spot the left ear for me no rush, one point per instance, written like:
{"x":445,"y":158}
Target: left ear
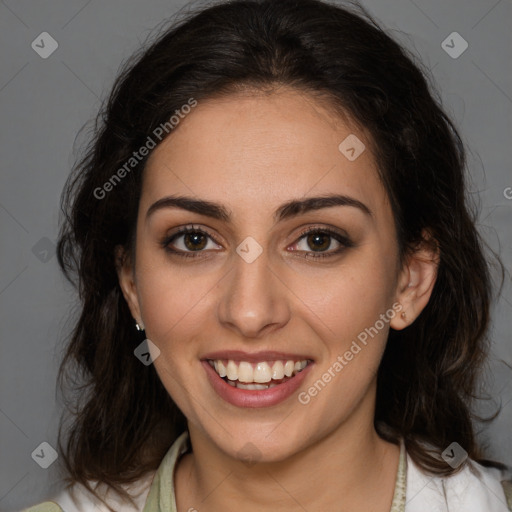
{"x":416,"y":281}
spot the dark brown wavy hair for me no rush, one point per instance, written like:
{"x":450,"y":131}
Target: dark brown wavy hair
{"x":121,"y":419}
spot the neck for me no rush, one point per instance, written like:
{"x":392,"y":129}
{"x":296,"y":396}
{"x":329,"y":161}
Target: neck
{"x":349,"y":469}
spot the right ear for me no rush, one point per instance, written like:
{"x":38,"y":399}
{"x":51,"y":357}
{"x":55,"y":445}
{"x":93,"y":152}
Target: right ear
{"x":125,"y":274}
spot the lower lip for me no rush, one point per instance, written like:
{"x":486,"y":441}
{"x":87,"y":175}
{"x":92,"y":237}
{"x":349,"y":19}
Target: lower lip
{"x":253,"y":398}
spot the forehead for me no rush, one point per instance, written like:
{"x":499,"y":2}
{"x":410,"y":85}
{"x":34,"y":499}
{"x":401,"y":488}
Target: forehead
{"x":259,"y":150}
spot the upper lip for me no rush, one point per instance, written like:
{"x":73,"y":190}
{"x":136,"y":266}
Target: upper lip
{"x":255,"y":357}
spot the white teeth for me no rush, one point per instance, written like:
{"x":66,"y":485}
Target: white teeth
{"x":277,"y":370}
{"x":245,"y":372}
{"x":220,"y":368}
{"x":232,"y":370}
{"x":260,"y":373}
{"x":239,"y":385}
{"x":288,"y":368}
{"x":300,"y":365}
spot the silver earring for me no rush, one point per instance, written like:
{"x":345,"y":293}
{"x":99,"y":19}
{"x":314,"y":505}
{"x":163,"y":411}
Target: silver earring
{"x":139,"y":327}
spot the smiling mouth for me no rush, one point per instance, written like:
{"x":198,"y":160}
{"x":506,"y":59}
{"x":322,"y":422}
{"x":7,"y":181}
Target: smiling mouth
{"x":256,"y":376}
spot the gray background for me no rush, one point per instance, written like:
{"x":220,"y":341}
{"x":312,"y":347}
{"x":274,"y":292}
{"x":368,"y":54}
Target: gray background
{"x":45,"y":102}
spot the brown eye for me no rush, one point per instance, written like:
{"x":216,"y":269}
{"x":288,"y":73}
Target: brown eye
{"x":320,"y":241}
{"x":188,"y":241}
{"x":317,"y":243}
{"x":194,"y":241}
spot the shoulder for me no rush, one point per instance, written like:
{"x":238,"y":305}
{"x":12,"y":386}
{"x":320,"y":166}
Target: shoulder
{"x":47,"y":506}
{"x":157,"y":485}
{"x":79,"y":499}
{"x":507,"y":489}
{"x":473,"y":488}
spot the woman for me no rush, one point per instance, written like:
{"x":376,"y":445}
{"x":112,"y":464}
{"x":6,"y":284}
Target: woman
{"x":285,"y":299}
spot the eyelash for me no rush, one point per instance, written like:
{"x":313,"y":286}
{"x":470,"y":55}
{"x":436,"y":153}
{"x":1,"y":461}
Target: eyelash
{"x":342,"y":239}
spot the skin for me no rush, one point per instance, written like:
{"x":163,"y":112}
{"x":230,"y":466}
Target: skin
{"x":252,"y":153}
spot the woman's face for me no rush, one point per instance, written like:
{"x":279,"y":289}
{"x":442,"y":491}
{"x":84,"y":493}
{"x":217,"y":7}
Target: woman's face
{"x":247,"y":285}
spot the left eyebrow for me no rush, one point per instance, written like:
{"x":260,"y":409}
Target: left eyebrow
{"x":287,"y":210}
{"x":301,"y":206}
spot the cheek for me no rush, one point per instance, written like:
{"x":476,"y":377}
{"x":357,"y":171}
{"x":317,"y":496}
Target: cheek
{"x":174,"y":299}
{"x":348,"y":297}
{"x":173,"y":308}
{"x":167,"y":304}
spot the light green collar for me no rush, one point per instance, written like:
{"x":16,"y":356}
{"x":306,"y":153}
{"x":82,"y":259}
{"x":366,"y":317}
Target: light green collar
{"x":162,"y":498}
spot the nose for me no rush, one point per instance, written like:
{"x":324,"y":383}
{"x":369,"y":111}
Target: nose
{"x":254,"y":301}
